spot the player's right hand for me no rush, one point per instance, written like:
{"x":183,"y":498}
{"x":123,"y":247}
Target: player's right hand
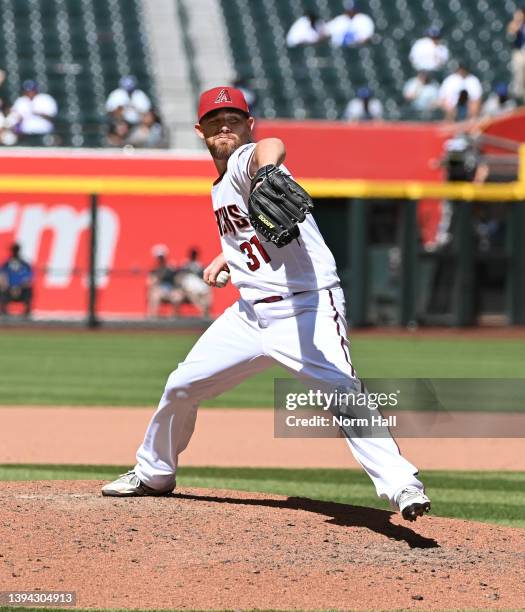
{"x":211,"y":272}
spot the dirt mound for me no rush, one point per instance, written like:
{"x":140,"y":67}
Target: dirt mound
{"x":209,"y":549}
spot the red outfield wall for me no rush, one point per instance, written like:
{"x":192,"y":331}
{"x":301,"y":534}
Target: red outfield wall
{"x":53,"y":233}
{"x":375,"y":150}
{"x":53,"y":228}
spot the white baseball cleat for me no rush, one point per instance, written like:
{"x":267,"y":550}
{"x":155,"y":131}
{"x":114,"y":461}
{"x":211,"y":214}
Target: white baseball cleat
{"x":130,"y":485}
{"x":412,"y":502}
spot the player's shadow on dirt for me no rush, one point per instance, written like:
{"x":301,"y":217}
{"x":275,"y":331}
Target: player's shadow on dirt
{"x":339,"y":514}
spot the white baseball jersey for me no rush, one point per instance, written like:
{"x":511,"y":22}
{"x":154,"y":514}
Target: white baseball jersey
{"x":258,"y":268}
{"x":427,"y":55}
{"x":305,"y":333}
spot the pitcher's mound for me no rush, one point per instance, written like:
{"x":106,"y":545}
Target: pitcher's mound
{"x":209,"y":549}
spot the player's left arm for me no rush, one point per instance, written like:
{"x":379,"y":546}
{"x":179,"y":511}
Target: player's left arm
{"x":276,"y":204}
{"x":267,"y":151}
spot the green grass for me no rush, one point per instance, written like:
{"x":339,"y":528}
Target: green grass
{"x":112,"y":369}
{"x":491,"y":497}
{"x":130,"y":369}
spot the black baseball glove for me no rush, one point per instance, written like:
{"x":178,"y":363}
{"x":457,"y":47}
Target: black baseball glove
{"x":277,"y":206}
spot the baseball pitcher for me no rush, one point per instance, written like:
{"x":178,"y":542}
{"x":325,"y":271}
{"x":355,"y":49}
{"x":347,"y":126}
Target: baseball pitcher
{"x":291,"y":309}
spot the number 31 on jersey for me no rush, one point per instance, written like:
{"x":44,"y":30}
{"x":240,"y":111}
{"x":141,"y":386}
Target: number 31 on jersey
{"x":253,"y":258}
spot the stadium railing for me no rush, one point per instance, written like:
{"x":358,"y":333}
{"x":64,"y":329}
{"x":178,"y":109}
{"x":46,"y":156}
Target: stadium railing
{"x":359,"y":192}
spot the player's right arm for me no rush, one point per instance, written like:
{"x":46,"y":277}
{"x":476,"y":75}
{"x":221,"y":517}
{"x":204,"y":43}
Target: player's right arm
{"x":211,"y":272}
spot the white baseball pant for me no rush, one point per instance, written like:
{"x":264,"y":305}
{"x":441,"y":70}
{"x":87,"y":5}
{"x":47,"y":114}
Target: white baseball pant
{"x":307,"y":334}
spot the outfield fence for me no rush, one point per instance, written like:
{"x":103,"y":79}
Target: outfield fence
{"x":359,"y":195}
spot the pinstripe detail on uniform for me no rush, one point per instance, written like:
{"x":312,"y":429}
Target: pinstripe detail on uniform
{"x":336,"y":320}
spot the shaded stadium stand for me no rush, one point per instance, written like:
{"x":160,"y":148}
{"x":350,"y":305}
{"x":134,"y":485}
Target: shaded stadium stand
{"x":317,"y":81}
{"x":77,"y":51}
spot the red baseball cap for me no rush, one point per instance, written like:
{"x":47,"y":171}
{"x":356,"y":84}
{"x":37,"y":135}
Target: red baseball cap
{"x":222,"y":97}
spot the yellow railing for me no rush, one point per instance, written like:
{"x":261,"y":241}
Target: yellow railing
{"x":317,"y":187}
{"x":321,"y":188}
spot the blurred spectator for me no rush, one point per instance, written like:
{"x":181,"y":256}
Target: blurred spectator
{"x":462,"y":106}
{"x":460,"y":95}
{"x":461,"y":158}
{"x":429,"y":53}
{"x":350,"y":29}
{"x":2,"y":92}
{"x":498,"y":103}
{"x":118,"y":128}
{"x":16,"y":281}
{"x":307,"y":30}
{"x":249,"y":95}
{"x":516,"y":28}
{"x":33,"y":112}
{"x":128,"y":102}
{"x":161,"y":283}
{"x":7,"y":136}
{"x":193,"y":265}
{"x":363,"y":107}
{"x":196,"y":291}
{"x":422,"y":93}
{"x":149,"y":133}
{"x":489,"y":227}
{"x":460,"y":161}
{"x":463,"y":161}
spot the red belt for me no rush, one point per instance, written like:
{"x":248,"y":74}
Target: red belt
{"x":275,"y":298}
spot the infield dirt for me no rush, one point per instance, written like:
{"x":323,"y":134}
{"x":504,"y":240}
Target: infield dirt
{"x":220,"y":549}
{"x":224,"y":437}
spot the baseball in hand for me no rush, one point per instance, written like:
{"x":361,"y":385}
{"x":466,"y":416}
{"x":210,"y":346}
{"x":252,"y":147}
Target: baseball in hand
{"x":222,"y":279}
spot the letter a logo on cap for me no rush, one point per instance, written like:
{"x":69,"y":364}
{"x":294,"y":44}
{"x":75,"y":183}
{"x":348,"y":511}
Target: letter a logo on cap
{"x":223,"y":96}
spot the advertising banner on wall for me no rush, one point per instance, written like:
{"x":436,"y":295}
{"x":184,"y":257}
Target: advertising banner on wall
{"x":53,"y":231}
{"x":53,"y":228}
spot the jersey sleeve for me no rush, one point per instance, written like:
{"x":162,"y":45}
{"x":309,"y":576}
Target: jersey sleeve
{"x":239,"y":164}
{"x":115,"y":99}
{"x":46,"y":105}
{"x":366,"y":27}
{"x":443,"y":90}
{"x":412,"y":56}
{"x":475,"y":89}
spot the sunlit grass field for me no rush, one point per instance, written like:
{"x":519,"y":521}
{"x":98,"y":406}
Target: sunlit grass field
{"x":130,"y":368}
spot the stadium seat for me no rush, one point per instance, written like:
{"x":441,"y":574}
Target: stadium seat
{"x":51,"y":40}
{"x":322,"y":79}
